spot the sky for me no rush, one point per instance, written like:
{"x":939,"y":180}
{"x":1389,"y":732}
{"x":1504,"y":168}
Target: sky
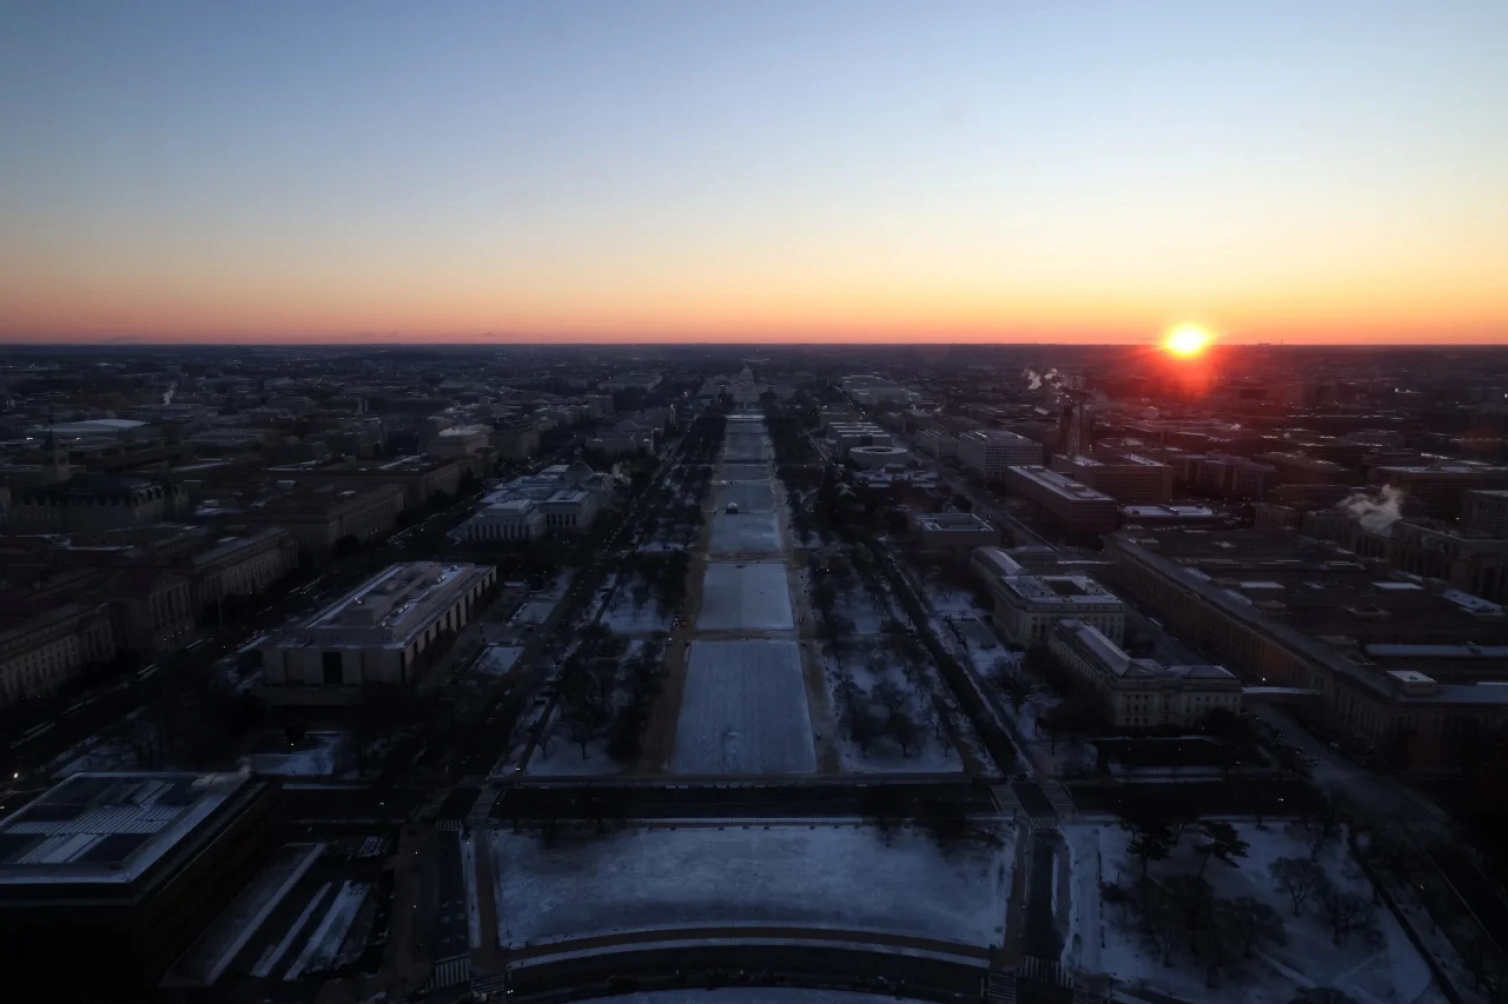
{"x":721,"y":170}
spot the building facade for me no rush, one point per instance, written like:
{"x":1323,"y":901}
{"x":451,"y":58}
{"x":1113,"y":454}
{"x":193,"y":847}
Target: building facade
{"x":391,"y":629}
{"x":1142,"y":694}
{"x":1077,"y":507}
{"x":989,"y":453}
{"x":42,"y":649}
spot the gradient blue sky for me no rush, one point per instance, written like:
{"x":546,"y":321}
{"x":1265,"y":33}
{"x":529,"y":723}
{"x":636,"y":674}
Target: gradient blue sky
{"x":763,"y":170}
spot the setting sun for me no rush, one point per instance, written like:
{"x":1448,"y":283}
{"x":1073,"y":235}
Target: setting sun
{"x":1187,"y":340}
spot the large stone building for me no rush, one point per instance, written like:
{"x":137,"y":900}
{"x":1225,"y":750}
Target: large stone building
{"x":87,"y":503}
{"x":127,"y":868}
{"x":1294,"y":612}
{"x":1138,"y":694}
{"x":1131,"y":479}
{"x":953,"y":531}
{"x":1442,"y":487}
{"x":390,"y":629}
{"x":1486,"y":513}
{"x":320,"y":517}
{"x":1078,"y":508}
{"x":989,"y":453}
{"x":43,"y":646}
{"x":1027,"y":606}
{"x":567,"y":498}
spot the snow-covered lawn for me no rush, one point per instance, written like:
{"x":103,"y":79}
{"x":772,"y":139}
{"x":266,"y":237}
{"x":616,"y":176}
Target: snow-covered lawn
{"x":745,"y":596}
{"x":747,"y":447}
{"x":745,"y":472}
{"x":745,"y":533}
{"x":318,"y":756}
{"x":1391,"y":971}
{"x":744,"y":711}
{"x":623,"y":617}
{"x":840,"y":877}
{"x":496,"y":660}
{"x":562,"y":758}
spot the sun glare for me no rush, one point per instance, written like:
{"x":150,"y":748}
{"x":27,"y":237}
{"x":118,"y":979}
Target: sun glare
{"x":1187,"y":340}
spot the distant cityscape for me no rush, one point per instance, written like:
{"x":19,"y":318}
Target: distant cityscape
{"x":455,"y":673}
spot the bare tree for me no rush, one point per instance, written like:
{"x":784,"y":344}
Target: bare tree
{"x":905,"y":731}
{"x":1161,"y":919}
{"x":1348,"y":914}
{"x":1300,"y":878}
{"x":1315,"y":833}
{"x":1254,"y":923}
{"x":1011,"y":679}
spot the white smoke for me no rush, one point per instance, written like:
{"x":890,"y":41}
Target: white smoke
{"x":1033,"y":379}
{"x":1374,"y":510}
{"x":167,"y":395}
{"x":1052,"y":377}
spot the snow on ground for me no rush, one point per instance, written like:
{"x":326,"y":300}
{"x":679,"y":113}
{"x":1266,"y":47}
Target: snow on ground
{"x":744,"y":711}
{"x":837,"y":877}
{"x":747,"y":447}
{"x":867,"y":614}
{"x":746,"y":596}
{"x":1393,"y":972}
{"x":624,"y":618}
{"x":496,"y":660}
{"x":935,"y":754}
{"x":745,"y":472}
{"x":564,"y":758}
{"x":745,"y":533}
{"x":755,"y":495}
{"x":318,"y":757}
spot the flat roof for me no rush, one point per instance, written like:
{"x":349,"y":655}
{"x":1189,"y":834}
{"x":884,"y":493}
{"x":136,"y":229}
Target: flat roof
{"x":107,"y":827}
{"x":1060,"y":484}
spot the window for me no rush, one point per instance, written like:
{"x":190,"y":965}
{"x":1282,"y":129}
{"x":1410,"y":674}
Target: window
{"x":330,"y":665}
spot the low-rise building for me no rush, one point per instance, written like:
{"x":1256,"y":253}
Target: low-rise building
{"x":458,"y":441}
{"x":869,"y":457}
{"x":1077,"y":507}
{"x":133,"y":865}
{"x":568,"y":498}
{"x":953,"y":531}
{"x":390,"y":629}
{"x":844,"y":436}
{"x":512,"y":520}
{"x":1294,"y":612}
{"x":1137,"y":694}
{"x":1131,"y":479}
{"x":991,"y":452}
{"x":938,"y":443}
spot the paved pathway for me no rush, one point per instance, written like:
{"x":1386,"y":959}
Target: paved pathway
{"x":742,"y":933}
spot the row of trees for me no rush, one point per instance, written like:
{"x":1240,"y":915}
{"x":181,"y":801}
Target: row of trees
{"x":1180,"y":914}
{"x":604,"y":696}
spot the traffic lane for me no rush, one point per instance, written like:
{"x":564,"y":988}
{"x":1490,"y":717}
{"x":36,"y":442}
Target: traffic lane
{"x":756,"y":965}
{"x":1241,"y":795}
{"x":449,"y":931}
{"x":352,"y":804}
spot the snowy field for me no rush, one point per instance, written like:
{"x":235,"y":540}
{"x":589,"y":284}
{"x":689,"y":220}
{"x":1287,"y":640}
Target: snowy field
{"x":744,"y":711}
{"x":749,"y":496}
{"x":1387,"y":971}
{"x":745,"y":533}
{"x":839,"y":877}
{"x":318,"y":757}
{"x":496,"y":660}
{"x":747,"y":447}
{"x":622,"y":617}
{"x":562,"y":758}
{"x":746,"y":596}
{"x":745,"y":472}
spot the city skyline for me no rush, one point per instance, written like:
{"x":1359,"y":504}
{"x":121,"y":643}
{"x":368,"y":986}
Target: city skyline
{"x":772,"y":172}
